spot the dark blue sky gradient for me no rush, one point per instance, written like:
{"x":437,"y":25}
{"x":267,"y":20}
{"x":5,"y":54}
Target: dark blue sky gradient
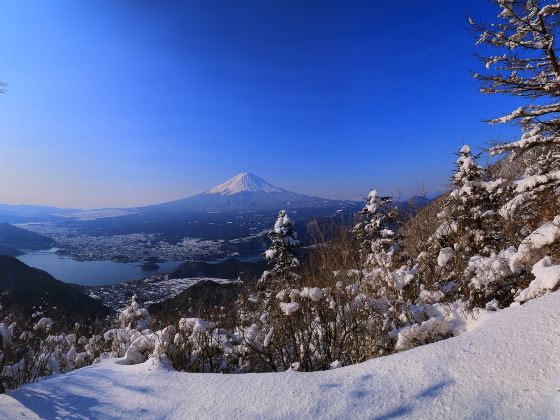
{"x":118,"y":103}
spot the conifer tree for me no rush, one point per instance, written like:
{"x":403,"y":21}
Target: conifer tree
{"x":467,"y":203}
{"x":282,"y":255}
{"x":375,"y":233}
{"x":467,"y":227}
{"x":386,"y":268}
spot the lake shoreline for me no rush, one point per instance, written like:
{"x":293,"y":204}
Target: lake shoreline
{"x":97,"y":273}
{"x":91,"y":272}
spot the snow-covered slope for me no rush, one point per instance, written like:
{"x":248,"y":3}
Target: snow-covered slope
{"x":509,"y":367}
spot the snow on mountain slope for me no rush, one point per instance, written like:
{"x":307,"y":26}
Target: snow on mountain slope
{"x":244,"y":182}
{"x":509,"y":367}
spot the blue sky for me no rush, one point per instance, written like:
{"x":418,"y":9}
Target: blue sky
{"x":122,"y":103}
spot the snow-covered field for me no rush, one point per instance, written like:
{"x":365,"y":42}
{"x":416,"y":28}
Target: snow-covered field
{"x":508,"y":367}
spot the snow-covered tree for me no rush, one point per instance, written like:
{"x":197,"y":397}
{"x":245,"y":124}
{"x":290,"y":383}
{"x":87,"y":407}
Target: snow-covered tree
{"x":375,"y":233}
{"x":467,"y":227}
{"x":525,"y":65}
{"x":469,"y":206}
{"x":387,"y":271}
{"x":35,"y":346}
{"x":261,"y":310}
{"x":282,"y":254}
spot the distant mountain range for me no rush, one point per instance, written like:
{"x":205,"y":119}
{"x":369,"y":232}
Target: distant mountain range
{"x":10,"y":213}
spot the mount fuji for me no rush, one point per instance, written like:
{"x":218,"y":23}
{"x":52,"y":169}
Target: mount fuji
{"x":244,"y":182}
{"x":245,"y":191}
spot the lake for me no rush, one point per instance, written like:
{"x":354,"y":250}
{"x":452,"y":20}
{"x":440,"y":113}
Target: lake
{"x":89,"y":273}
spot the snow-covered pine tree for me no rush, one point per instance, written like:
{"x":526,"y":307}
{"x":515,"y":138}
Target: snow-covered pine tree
{"x":467,"y":227}
{"x":262,"y":310}
{"x":385,"y":267}
{"x":376,"y":231}
{"x":282,"y":254}
{"x":470,"y":206}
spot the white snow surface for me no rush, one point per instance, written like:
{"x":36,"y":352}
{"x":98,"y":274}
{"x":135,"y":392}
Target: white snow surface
{"x":529,"y":251}
{"x":508,"y":367}
{"x":289,"y":308}
{"x":444,"y":256}
{"x":547,"y":277}
{"x":244,"y":182}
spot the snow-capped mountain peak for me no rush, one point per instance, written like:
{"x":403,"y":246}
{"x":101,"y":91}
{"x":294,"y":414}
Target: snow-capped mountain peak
{"x":244,"y":182}
{"x":246,"y":192}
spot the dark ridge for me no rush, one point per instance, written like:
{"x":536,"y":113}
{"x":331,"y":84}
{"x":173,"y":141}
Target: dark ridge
{"x":9,"y":251}
{"x":19,"y":238}
{"x":25,"y":287}
{"x":227,"y":269}
{"x":198,"y":300}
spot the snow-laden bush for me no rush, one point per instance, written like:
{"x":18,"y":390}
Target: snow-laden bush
{"x":200,"y":346}
{"x":135,"y":316}
{"x":435,"y":322}
{"x":131,"y":337}
{"x":32,"y":349}
{"x":547,"y":278}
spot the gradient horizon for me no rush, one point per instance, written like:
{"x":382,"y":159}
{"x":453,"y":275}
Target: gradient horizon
{"x":124,"y":103}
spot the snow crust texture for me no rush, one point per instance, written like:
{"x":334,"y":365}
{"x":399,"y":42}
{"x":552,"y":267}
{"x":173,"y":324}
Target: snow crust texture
{"x":508,"y":367}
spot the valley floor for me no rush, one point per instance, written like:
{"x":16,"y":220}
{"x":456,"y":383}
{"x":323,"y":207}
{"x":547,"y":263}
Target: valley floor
{"x":508,"y":367}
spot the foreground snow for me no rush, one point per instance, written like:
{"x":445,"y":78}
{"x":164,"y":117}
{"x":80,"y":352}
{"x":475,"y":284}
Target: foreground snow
{"x":509,"y":367}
